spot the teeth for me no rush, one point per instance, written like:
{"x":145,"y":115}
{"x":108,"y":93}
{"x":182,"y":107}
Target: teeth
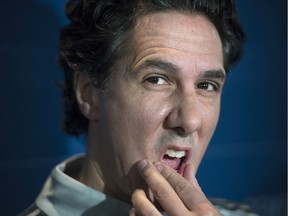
{"x":173,"y":153}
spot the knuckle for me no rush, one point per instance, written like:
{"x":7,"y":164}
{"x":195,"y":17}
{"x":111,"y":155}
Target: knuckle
{"x":135,"y":196}
{"x":161,"y":194}
{"x":147,"y":212}
{"x":205,"y":209}
{"x":141,"y":208}
{"x":148,"y":172}
{"x":171,"y":176}
{"x":182,"y":188}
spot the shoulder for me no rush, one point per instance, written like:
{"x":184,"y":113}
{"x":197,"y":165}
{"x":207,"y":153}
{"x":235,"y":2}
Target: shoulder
{"x":33,"y":210}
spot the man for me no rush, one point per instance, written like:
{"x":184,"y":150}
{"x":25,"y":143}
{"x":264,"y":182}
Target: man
{"x":143,"y":81}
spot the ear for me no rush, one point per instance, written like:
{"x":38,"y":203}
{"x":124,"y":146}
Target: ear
{"x":87,"y":97}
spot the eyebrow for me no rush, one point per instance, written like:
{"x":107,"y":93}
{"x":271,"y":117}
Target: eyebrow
{"x":219,"y":74}
{"x":172,"y":68}
{"x":159,"y":64}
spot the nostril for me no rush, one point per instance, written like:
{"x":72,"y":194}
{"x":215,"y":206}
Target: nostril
{"x":181,"y":131}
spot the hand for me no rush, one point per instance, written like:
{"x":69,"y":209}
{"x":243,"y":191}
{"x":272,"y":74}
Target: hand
{"x":178,"y":196}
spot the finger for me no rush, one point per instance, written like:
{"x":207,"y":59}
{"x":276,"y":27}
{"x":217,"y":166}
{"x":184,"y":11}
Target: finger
{"x":203,"y":208}
{"x":132,"y":212}
{"x":161,"y":189}
{"x":188,"y":191}
{"x":189,"y":174}
{"x":142,"y":205}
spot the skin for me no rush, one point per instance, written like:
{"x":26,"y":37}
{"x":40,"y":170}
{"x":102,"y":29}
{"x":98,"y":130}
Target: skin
{"x":176,"y":195}
{"x":165,"y":93}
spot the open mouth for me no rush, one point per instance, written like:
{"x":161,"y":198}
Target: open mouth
{"x":175,"y":159}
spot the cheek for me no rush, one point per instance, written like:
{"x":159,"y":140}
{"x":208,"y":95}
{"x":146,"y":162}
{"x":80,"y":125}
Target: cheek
{"x":206,"y":132}
{"x":211,"y":121}
{"x":134,"y":124}
{"x":210,"y":117}
{"x":145,"y":125}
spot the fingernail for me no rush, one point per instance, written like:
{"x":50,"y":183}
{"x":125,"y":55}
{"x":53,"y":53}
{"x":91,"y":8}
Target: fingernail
{"x":143,"y":164}
{"x":159,"y":166}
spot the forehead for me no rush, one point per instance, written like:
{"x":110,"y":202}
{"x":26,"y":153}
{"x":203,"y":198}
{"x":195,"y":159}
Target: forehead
{"x":172,"y":23}
{"x":186,"y":33}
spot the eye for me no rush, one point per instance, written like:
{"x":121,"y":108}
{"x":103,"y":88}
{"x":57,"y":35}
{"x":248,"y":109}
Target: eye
{"x":156,"y":80}
{"x":207,"y":86}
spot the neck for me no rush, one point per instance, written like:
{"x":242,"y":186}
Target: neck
{"x":94,"y":172}
{"x":91,"y":175}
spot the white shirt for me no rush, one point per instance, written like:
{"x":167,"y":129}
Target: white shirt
{"x":63,"y":195}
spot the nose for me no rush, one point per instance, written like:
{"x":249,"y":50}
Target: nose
{"x":185,"y":116}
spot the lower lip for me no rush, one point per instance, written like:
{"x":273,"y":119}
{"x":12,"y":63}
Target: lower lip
{"x":181,"y":168}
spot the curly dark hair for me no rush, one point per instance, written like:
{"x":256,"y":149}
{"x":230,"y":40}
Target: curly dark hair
{"x":98,"y":32}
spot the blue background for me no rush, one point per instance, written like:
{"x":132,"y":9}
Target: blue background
{"x":246,"y":160}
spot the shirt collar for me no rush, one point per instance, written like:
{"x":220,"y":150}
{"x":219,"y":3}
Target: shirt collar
{"x":63,"y":195}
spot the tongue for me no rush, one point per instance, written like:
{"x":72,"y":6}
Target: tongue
{"x":171,"y":162}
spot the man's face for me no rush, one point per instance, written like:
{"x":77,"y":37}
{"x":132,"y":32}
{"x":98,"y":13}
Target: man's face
{"x":163,"y":102}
